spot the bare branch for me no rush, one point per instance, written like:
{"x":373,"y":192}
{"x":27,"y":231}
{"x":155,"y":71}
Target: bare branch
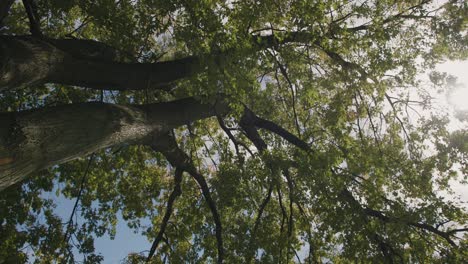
{"x":291,"y":209}
{"x":283,"y":213}
{"x":395,"y":113}
{"x":291,"y":88}
{"x":453,"y":231}
{"x":211,"y":204}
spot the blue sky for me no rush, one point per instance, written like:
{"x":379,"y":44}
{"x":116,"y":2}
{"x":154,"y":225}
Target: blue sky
{"x":125,"y":241}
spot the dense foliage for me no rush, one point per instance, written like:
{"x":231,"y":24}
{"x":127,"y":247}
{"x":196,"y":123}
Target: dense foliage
{"x":331,"y":150}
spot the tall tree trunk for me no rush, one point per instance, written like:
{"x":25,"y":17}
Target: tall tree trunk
{"x":25,"y":60}
{"x":37,"y":139}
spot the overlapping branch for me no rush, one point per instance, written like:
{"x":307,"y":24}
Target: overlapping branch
{"x":169,"y":209}
{"x":250,"y":122}
{"x":261,"y":209}
{"x":389,"y":219}
{"x":167,"y":145}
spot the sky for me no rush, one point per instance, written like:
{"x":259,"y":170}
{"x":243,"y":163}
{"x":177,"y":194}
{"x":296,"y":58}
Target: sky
{"x":114,"y":251}
{"x":458,"y":100}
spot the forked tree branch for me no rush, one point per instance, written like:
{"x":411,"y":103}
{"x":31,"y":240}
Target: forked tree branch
{"x":250,"y":120}
{"x":169,"y":209}
{"x":167,"y":145}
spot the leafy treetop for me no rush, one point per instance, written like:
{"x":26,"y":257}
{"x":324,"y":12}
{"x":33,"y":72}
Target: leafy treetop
{"x":321,"y":157}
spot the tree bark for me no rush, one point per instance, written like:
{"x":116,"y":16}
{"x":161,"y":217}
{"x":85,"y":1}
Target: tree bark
{"x":25,"y":60}
{"x":37,"y":139}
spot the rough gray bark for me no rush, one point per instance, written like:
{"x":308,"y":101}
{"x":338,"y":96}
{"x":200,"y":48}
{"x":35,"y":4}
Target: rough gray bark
{"x":25,"y":60}
{"x":37,"y":139}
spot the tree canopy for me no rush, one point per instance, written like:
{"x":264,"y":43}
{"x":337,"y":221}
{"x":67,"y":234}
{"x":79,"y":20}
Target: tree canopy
{"x":272,"y":131}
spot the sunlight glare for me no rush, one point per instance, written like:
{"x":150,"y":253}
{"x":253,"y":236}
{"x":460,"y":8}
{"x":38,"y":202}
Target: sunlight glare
{"x":458,"y":98}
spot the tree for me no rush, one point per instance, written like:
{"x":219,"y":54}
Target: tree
{"x":293,"y":118}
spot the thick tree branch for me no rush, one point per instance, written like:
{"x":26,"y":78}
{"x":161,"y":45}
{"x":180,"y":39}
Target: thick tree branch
{"x":37,"y":139}
{"x":247,"y":123}
{"x":249,"y":119}
{"x":169,"y":209}
{"x":57,"y":61}
{"x":34,"y":19}
{"x":86,"y":49}
{"x":27,"y":60}
{"x":273,"y":127}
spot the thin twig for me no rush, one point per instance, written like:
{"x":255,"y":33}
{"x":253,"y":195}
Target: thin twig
{"x":82,"y":184}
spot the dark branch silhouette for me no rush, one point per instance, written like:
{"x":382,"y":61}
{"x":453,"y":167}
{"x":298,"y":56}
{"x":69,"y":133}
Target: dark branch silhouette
{"x":249,"y":120}
{"x":262,"y":207}
{"x":68,"y":231}
{"x":387,"y":219}
{"x":169,"y":209}
{"x":167,"y":145}
{"x":34,"y":19}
